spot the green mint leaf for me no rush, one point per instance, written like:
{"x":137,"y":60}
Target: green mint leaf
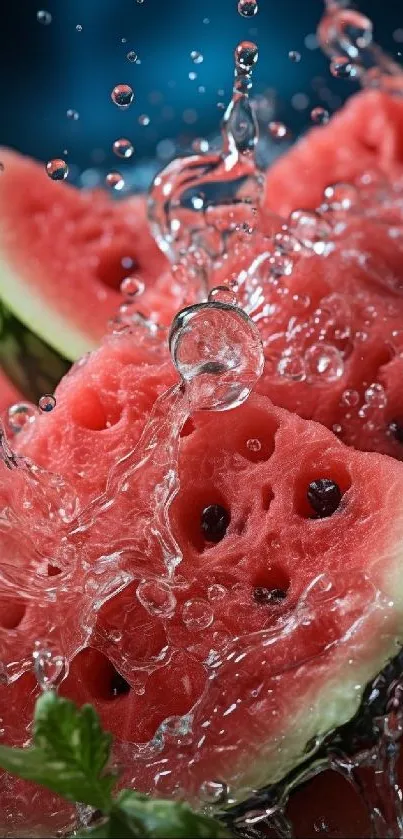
{"x":159,"y":819}
{"x":69,"y":753}
{"x":115,"y":826}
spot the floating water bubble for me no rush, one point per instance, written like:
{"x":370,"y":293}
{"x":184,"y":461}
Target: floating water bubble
{"x":19,"y":414}
{"x":49,"y":668}
{"x":375,"y":396}
{"x":222,"y":294}
{"x":57,"y":169}
{"x":79,"y":28}
{"x":196,"y":57}
{"x":292,"y":367}
{"x":278,"y":131}
{"x":324,"y":363}
{"x":345,"y":30}
{"x":342,"y":68}
{"x":246,"y":55}
{"x":320,"y":116}
{"x":47,"y":402}
{"x":132,"y":286}
{"x":294,"y":56}
{"x":115,"y":180}
{"x":44,"y":17}
{"x":350,"y":398}
{"x":341,"y":196}
{"x":200,"y":145}
{"x":123,"y":148}
{"x":218,"y":352}
{"x":213,"y":792}
{"x":248,"y":8}
{"x":72,"y":114}
{"x":157,"y":597}
{"x":192,"y":75}
{"x":144,"y":119}
{"x":197,"y":614}
{"x":122,"y":95}
{"x":131,"y":56}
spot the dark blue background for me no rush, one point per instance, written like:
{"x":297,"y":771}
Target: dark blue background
{"x":45,"y":70}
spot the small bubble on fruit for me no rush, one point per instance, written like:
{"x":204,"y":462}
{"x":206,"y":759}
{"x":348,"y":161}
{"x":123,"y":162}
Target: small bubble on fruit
{"x":350,"y":398}
{"x":57,"y":169}
{"x":341,"y":196}
{"x":253,"y":444}
{"x":47,"y":402}
{"x":214,"y":522}
{"x":375,"y":395}
{"x":320,"y":116}
{"x":324,"y":496}
{"x":131,"y":56}
{"x":123,"y":148}
{"x":72,"y":114}
{"x":157,"y":597}
{"x":19,"y":414}
{"x":324,"y":363}
{"x":265,"y":596}
{"x":310,"y":228}
{"x":115,"y":181}
{"x":216,"y":592}
{"x":278,"y":131}
{"x":213,"y":792}
{"x":132,"y":286}
{"x":122,"y":95}
{"x":246,"y":55}
{"x":222,"y":294}
{"x":294,"y":56}
{"x":248,"y":8}
{"x":44,"y":17}
{"x":197,"y":614}
{"x":292,"y":367}
{"x":49,"y":669}
{"x":343,"y":68}
{"x":218,"y":352}
{"x":196,"y":57}
{"x":144,"y":119}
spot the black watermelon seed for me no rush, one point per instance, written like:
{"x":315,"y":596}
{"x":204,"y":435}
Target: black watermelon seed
{"x":396,"y":429}
{"x":214,"y":522}
{"x":263,"y":595}
{"x":324,"y":496}
{"x":119,"y":686}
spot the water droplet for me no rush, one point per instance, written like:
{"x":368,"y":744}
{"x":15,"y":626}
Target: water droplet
{"x":253,"y":444}
{"x":223,"y":294}
{"x":248,"y":8}
{"x":57,"y":169}
{"x":278,"y":131}
{"x":44,"y":17}
{"x":71,"y":114}
{"x":350,"y":398}
{"x":131,"y":56}
{"x":192,"y":75}
{"x":294,"y":56}
{"x":213,"y":792}
{"x":324,"y":363}
{"x":49,"y":669}
{"x":246,"y":55}
{"x":177,"y":729}
{"x":157,"y":597}
{"x":196,"y":57}
{"x":197,"y":614}
{"x":122,"y":95}
{"x":341,"y":196}
{"x":47,"y":402}
{"x":343,"y":68}
{"x":320,"y":116}
{"x":79,"y":28}
{"x":200,"y":145}
{"x":310,"y":228}
{"x":132,"y":286}
{"x":19,"y":414}
{"x":115,"y":180}
{"x":217,"y":350}
{"x":375,"y":396}
{"x":292,"y":367}
{"x":123,"y":148}
{"x":144,"y":119}
{"x":216,"y":592}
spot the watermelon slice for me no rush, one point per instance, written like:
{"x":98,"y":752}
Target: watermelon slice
{"x":285,"y":603}
{"x":64,"y":254}
{"x":366,"y":136}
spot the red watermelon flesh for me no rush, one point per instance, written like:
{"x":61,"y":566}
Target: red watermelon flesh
{"x":366,"y":136}
{"x":261,"y":678}
{"x":65,"y":252}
